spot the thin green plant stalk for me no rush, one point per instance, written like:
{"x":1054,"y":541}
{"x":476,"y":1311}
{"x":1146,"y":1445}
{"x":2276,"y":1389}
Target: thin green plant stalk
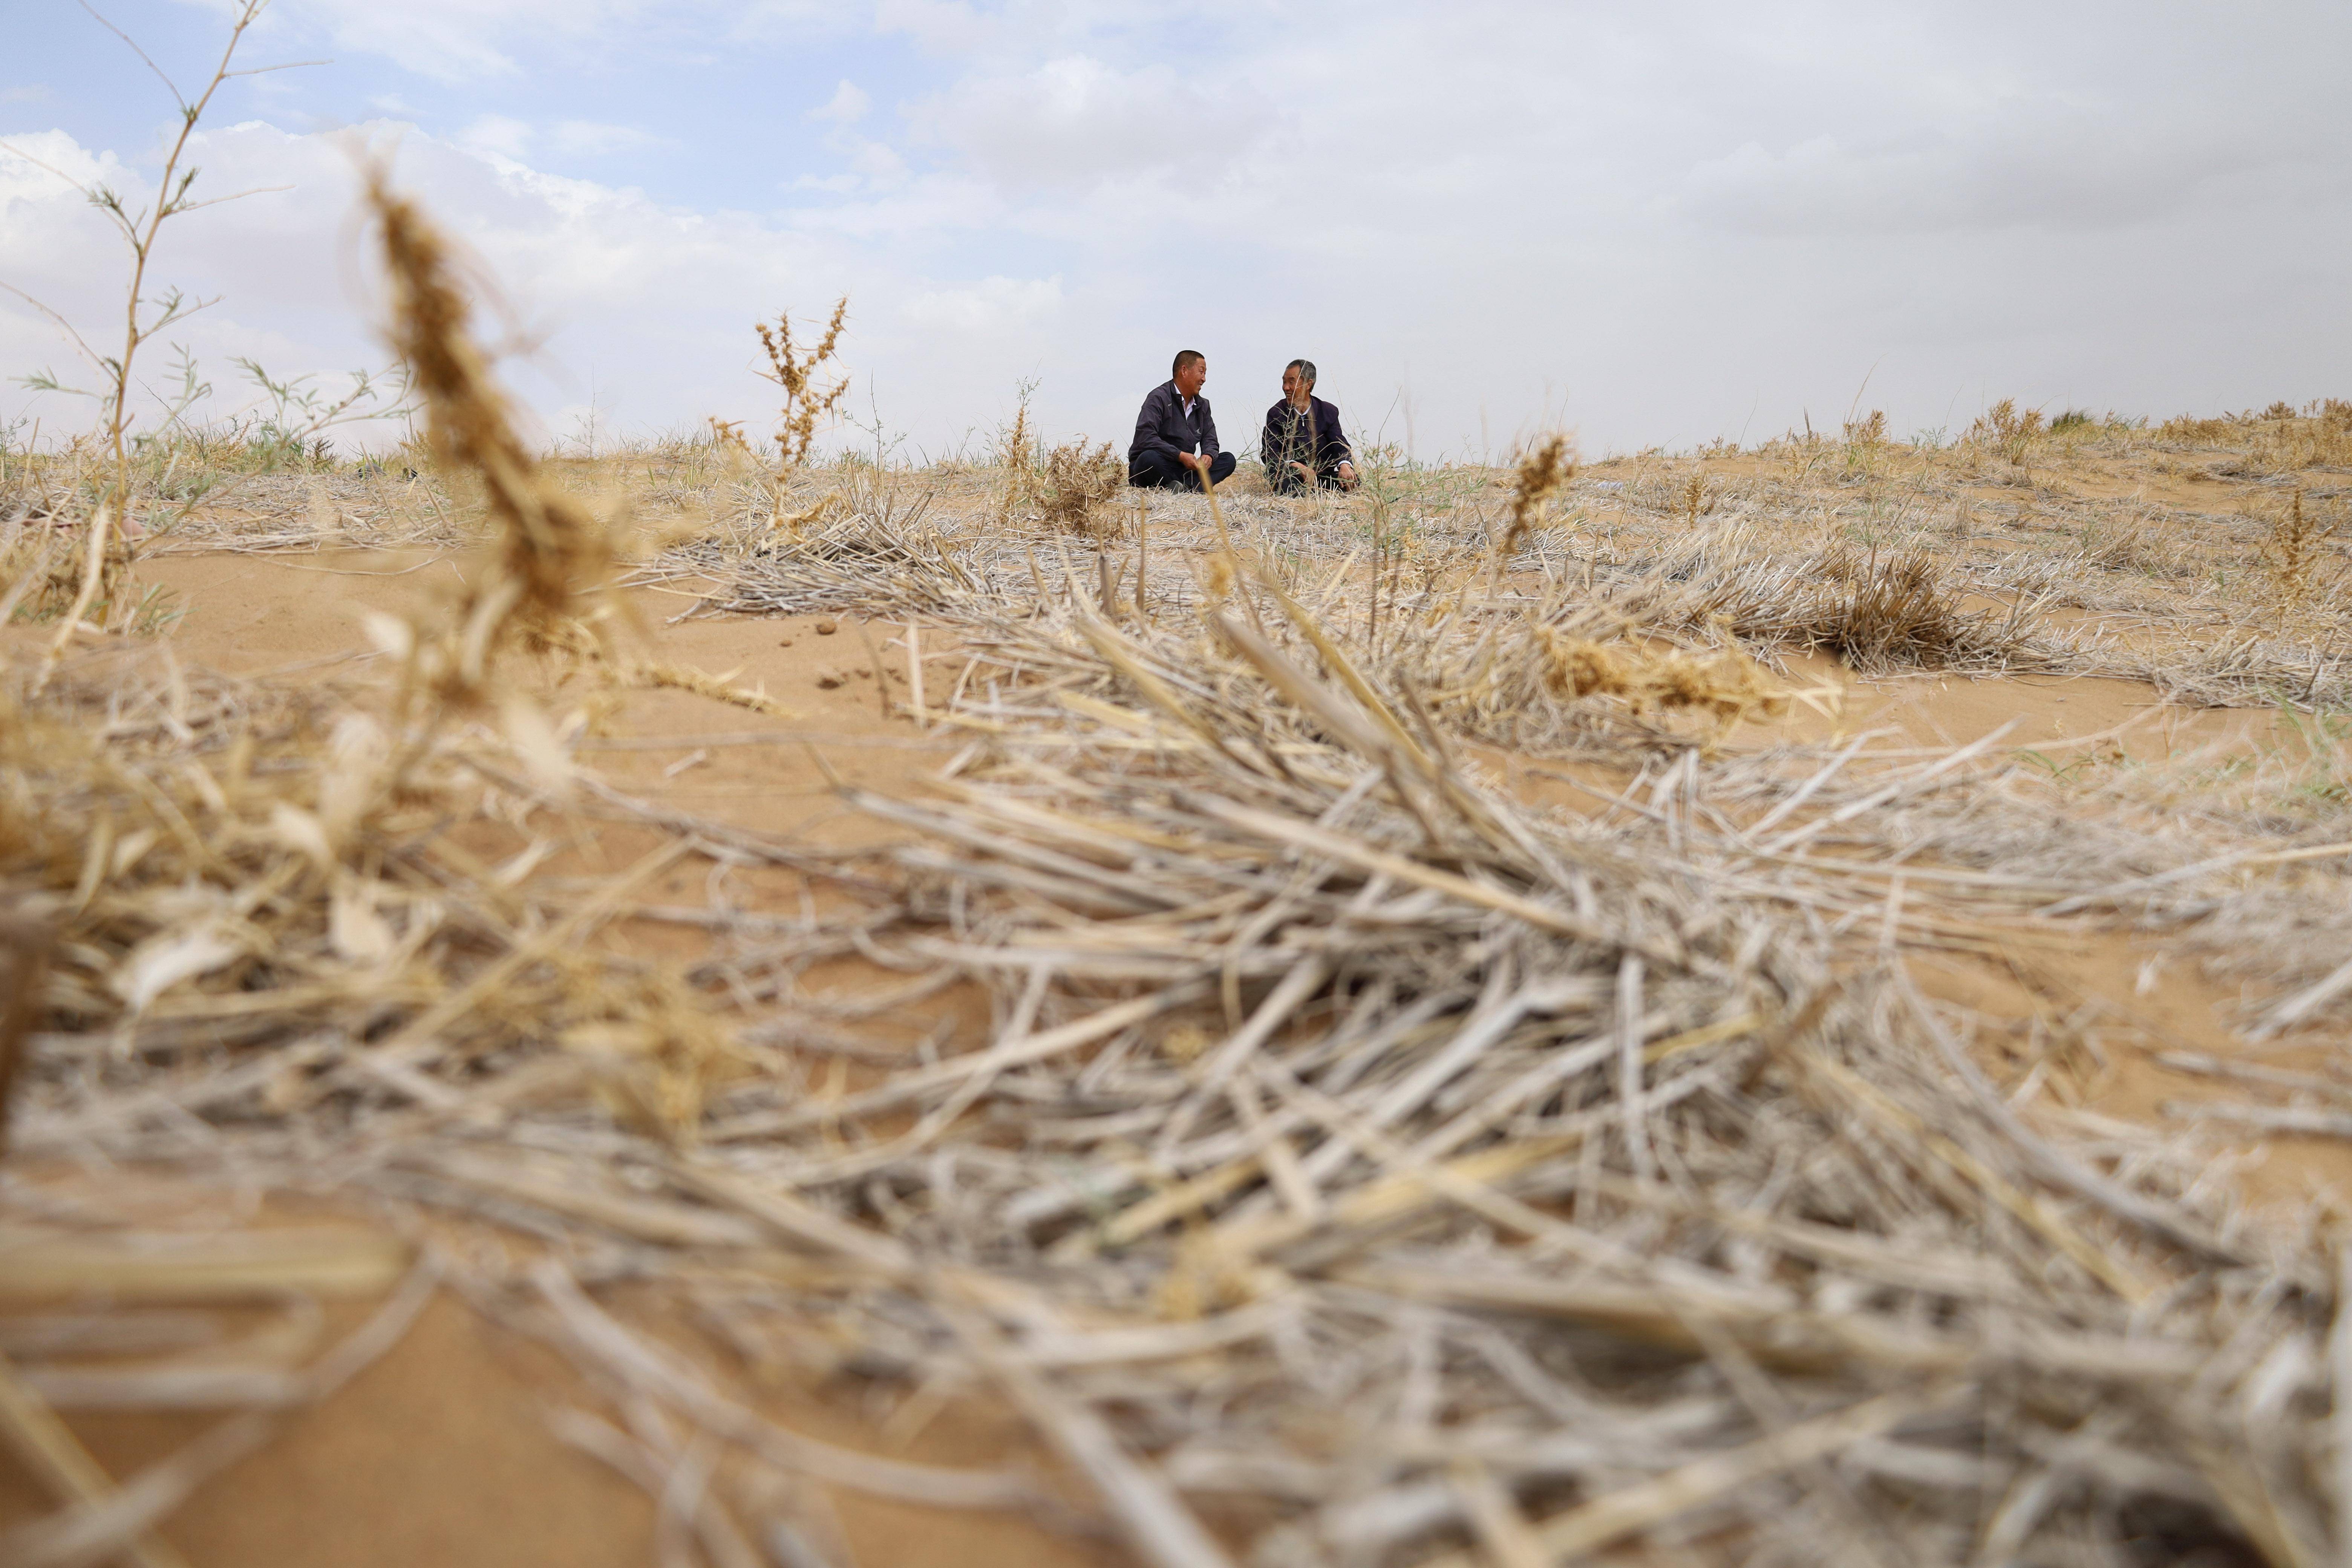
{"x":169,"y":202}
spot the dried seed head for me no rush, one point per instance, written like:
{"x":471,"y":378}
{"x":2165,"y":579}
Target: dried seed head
{"x":1541,"y":472}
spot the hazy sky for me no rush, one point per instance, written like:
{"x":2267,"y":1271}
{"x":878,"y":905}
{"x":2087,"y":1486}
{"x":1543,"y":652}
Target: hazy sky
{"x":1646,"y":223}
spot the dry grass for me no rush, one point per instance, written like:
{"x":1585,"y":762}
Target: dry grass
{"x":1358,"y":1165}
{"x":809,"y":405}
{"x":2292,"y":551}
{"x":1075,"y":482}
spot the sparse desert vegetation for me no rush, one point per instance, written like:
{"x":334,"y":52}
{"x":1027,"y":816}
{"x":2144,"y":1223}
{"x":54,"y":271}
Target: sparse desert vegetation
{"x":1669,"y":1007}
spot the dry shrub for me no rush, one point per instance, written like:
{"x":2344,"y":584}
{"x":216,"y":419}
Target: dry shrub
{"x":2188,"y":430}
{"x":2293,"y":444}
{"x":2278,"y":440}
{"x":1876,"y":611}
{"x":1017,"y":454}
{"x":1074,"y":480}
{"x":2006,"y":429}
{"x":806,"y":404}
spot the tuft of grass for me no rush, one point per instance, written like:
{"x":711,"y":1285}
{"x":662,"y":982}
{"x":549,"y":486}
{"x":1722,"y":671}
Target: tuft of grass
{"x":1017,"y":454}
{"x":2008,"y":430}
{"x":2292,"y":553}
{"x":1075,"y":480}
{"x":1725,"y":685}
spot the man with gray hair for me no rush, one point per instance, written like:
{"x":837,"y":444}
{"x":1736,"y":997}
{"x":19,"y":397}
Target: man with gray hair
{"x":1303,"y":446}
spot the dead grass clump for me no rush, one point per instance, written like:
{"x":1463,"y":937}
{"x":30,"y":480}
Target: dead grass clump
{"x":1075,"y":480}
{"x":2006,"y":429}
{"x":2137,"y":545}
{"x":2191,"y":430}
{"x":2292,"y":553}
{"x":1725,"y":685}
{"x":1879,"y":613}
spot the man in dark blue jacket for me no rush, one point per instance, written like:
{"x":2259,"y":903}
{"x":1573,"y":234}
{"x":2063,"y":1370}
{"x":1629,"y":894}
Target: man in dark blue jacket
{"x":1175,"y":436}
{"x":1303,"y":446}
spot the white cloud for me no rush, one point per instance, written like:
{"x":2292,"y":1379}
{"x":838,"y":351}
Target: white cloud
{"x":472,"y":40}
{"x":946,"y":26}
{"x":499,"y":135}
{"x":1077,"y":120}
{"x":595,"y":139}
{"x":993,"y":307}
{"x":848,"y":105}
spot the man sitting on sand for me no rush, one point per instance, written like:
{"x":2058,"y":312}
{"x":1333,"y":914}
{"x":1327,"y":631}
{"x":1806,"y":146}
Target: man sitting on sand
{"x":1175,"y":437}
{"x":1303,"y":446}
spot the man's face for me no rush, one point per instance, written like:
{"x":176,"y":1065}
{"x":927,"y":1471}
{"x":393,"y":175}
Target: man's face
{"x":1294,"y":385}
{"x":1192,"y":378}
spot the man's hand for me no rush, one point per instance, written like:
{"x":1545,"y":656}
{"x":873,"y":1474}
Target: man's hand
{"x":1191,"y":459}
{"x":1347,"y":473}
{"x":1300,"y":470}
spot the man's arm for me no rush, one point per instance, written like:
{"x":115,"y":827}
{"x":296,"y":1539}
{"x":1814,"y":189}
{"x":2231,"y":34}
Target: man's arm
{"x":1151,"y":426}
{"x":1335,"y":440}
{"x":1270,"y":442}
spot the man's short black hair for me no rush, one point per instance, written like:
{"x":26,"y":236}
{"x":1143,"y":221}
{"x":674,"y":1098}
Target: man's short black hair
{"x":1184,"y":358}
{"x":1305,"y":369}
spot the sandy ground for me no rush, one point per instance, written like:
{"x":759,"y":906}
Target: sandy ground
{"x":442,"y":1453}
{"x":255,"y":613}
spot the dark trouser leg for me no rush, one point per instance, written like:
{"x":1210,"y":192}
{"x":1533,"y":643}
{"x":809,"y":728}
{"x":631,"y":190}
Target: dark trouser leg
{"x":1157,"y":471}
{"x":1162,"y":472}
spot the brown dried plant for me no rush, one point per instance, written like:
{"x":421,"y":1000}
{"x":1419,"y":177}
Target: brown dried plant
{"x":2291,"y":552}
{"x":807,"y":406}
{"x":552,"y":553}
{"x":1695,"y":503}
{"x":727,"y":435}
{"x":1541,"y":472}
{"x":1896,"y":611}
{"x":2006,"y":429}
{"x":1865,"y":439}
{"x":1727,"y":685}
{"x":1075,"y":480}
{"x":1017,"y":454}
{"x":107,"y":554}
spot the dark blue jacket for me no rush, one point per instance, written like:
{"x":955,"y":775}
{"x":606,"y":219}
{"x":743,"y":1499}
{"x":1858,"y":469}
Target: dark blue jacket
{"x":1286,"y":439}
{"x":1162,"y":428}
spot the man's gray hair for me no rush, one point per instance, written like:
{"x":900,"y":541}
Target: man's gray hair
{"x":1305,"y":369}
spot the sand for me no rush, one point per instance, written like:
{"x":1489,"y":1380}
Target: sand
{"x":443,"y":1452}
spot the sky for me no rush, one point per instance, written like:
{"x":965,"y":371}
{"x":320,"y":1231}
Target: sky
{"x":1647,"y":224}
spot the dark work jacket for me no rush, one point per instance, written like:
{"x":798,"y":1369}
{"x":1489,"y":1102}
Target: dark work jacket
{"x":1287,"y":441}
{"x":1162,"y":428}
